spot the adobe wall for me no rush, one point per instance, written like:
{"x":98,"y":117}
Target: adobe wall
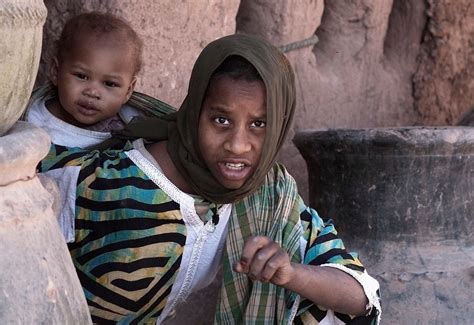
{"x":444,"y":81}
{"x":377,"y":63}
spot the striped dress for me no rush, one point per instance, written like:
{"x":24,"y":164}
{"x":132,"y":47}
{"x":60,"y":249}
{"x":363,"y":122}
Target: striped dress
{"x":139,"y":247}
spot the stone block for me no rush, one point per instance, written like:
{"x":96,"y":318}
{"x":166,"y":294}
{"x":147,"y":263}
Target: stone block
{"x":38,"y":282}
{"x":21,"y":27}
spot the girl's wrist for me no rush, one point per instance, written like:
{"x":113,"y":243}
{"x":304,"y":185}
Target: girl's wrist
{"x":297,"y":278}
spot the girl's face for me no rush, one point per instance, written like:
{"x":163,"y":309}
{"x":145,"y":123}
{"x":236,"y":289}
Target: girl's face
{"x":232,"y":127}
{"x":94,"y":80}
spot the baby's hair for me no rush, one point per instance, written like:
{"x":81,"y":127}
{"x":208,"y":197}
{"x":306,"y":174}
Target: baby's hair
{"x":99,"y":24}
{"x":237,"y":68}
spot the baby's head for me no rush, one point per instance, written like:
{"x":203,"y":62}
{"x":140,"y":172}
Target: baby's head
{"x":98,"y":57}
{"x":98,"y":27}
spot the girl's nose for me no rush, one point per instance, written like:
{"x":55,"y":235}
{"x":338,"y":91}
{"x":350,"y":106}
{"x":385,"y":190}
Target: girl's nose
{"x":238,"y":142}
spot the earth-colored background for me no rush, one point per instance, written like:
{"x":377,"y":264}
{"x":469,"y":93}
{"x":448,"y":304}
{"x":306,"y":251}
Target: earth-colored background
{"x":377,"y":63}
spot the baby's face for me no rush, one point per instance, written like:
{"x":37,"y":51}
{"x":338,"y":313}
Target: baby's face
{"x":94,"y":79}
{"x":232,"y":127}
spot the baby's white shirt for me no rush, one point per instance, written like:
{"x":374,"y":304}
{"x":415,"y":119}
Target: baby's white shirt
{"x":66,"y":134}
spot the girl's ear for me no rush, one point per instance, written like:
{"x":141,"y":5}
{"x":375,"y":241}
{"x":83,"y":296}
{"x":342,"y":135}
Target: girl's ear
{"x":53,"y":71}
{"x":130,"y":89}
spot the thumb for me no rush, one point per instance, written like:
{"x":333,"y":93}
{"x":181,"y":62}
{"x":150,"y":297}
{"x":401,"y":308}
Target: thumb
{"x":239,"y":267}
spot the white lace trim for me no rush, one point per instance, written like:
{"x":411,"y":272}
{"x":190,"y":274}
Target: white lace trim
{"x":368,"y":283}
{"x":190,"y":217}
{"x":184,"y":200}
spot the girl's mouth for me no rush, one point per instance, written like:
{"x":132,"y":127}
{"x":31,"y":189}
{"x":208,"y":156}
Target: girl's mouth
{"x":234,"y":171}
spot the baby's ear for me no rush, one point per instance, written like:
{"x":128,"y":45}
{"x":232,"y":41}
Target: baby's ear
{"x":53,"y":71}
{"x":130,"y":89}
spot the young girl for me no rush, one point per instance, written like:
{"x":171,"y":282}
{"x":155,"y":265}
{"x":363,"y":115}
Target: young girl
{"x":201,"y":188}
{"x":93,"y":75}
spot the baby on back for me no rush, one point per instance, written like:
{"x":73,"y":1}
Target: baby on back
{"x":92,"y":77}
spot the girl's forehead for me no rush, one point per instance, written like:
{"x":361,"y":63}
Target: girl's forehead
{"x":236,"y":97}
{"x":223,"y":84}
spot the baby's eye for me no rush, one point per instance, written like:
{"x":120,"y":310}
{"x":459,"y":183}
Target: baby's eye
{"x":259,"y":124}
{"x":221,"y":120}
{"x":81,"y":76}
{"x":111,"y":84}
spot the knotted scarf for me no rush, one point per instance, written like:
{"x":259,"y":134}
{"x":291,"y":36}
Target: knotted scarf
{"x":181,"y":128}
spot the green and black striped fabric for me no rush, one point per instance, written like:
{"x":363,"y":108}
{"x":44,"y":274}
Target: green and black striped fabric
{"x":129,"y":236}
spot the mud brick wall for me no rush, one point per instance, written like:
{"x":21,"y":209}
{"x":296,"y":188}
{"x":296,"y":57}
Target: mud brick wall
{"x":377,"y":63}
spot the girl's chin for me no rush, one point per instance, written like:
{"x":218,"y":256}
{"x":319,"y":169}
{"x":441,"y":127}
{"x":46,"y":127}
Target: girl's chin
{"x":232,"y":185}
{"x":233,"y":179}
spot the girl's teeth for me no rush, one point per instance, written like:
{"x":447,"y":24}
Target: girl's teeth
{"x":234,"y":166}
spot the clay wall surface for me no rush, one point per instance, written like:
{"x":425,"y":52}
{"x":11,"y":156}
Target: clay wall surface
{"x":377,"y":63}
{"x":444,"y":81}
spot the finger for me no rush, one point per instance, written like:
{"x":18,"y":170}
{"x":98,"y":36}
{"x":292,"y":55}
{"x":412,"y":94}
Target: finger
{"x":273,"y":265}
{"x":239,"y":267}
{"x":251,"y":246}
{"x":261,"y":258}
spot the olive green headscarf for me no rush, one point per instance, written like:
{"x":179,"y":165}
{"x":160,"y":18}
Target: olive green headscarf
{"x":181,"y":128}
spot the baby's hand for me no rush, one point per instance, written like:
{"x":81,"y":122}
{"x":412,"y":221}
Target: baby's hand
{"x":264,"y":260}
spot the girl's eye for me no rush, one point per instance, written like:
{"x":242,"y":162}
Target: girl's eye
{"x":111,"y":84}
{"x":258,"y":124}
{"x":80,"y":76}
{"x":221,"y":120}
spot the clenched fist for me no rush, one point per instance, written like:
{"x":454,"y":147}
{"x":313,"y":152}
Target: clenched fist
{"x":264,"y":260}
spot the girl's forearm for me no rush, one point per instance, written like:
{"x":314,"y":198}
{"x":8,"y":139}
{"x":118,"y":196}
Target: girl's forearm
{"x":329,"y":287}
